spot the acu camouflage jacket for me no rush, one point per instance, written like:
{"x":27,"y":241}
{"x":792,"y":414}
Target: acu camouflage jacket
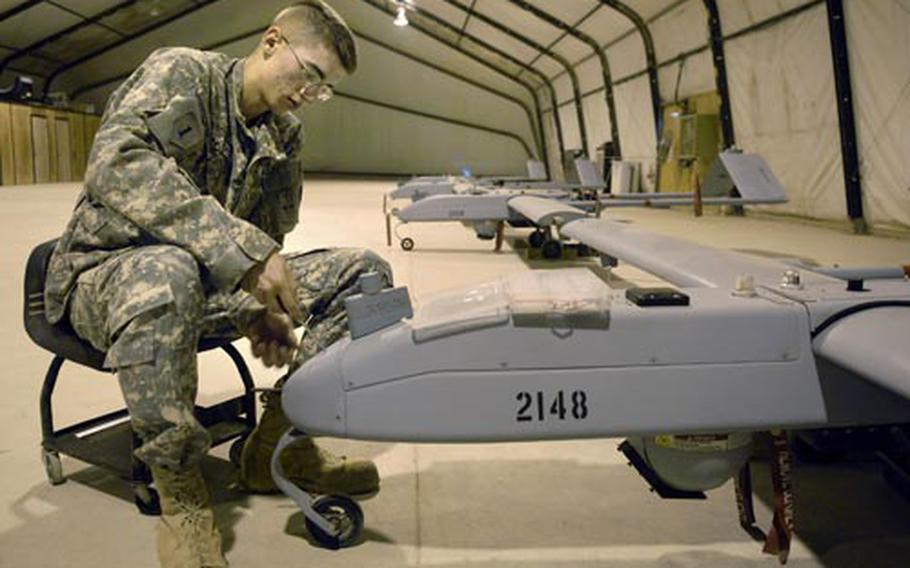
{"x":174,"y":163}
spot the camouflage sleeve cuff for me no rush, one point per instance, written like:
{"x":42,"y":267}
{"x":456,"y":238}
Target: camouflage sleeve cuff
{"x":243,"y":310}
{"x":257,"y":244}
{"x":252,"y":247}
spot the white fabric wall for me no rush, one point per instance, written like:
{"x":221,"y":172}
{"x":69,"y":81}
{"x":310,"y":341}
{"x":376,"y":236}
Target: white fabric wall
{"x":598,"y":118}
{"x":344,"y":135}
{"x":634,"y":112}
{"x":567,"y":113}
{"x":553,"y":158}
{"x":783,"y":101}
{"x":736,"y":15}
{"x":636,"y":127}
{"x":697,"y":77}
{"x":878,"y":34}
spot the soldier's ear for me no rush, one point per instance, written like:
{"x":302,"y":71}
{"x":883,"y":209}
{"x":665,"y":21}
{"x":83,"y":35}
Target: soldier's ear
{"x":271,"y":40}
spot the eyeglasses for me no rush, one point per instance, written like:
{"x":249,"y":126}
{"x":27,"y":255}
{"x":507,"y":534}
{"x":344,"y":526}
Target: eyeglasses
{"x":316,"y":87}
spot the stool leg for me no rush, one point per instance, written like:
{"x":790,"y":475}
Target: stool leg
{"x":249,"y":397}
{"x":45,"y":407}
{"x":49,"y":455}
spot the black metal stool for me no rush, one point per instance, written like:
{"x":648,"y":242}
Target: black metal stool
{"x":108,"y":441}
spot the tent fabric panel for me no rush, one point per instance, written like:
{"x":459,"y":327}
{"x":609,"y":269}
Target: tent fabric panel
{"x":563,"y":87}
{"x":445,"y":11}
{"x":78,"y":43}
{"x":193,"y":30}
{"x":569,"y":12}
{"x":503,"y":41}
{"x":590,"y":75}
{"x":598,"y":121}
{"x":606,"y":25}
{"x":636,"y":127}
{"x":517,"y":19}
{"x":627,"y":57}
{"x":34,"y":24}
{"x":395,"y":142}
{"x":683,"y":29}
{"x":784,"y":107}
{"x":88,"y":8}
{"x":571,"y":48}
{"x":650,"y":8}
{"x":420,"y":87}
{"x":549,"y":67}
{"x":878,"y":32}
{"x":697,"y":77}
{"x":570,"y":134}
{"x":478,"y":50}
{"x":553,"y":158}
{"x":139,"y":16}
{"x":736,"y":15}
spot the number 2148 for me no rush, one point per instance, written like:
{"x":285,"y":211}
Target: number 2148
{"x":562,"y":406}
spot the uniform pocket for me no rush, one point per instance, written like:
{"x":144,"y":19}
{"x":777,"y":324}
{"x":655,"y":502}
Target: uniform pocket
{"x":135,"y":345}
{"x":138,"y":303}
{"x":99,"y":227}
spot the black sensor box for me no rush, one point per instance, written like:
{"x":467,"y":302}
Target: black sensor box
{"x":647,"y":297}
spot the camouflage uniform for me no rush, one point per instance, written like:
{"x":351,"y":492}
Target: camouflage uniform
{"x":181,"y":199}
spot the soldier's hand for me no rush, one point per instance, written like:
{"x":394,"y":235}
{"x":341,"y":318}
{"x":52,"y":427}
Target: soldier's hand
{"x":273,"y":339}
{"x":273,"y":284}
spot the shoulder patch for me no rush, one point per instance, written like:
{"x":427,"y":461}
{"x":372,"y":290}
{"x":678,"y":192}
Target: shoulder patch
{"x":179,"y":127}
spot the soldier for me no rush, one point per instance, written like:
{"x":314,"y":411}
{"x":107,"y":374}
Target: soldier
{"x":194,"y":178}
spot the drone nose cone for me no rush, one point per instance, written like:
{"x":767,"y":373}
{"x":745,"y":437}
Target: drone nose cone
{"x":313,"y":397}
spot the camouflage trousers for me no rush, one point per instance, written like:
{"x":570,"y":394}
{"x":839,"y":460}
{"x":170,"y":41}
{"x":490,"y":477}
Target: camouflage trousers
{"x":147,"y":309}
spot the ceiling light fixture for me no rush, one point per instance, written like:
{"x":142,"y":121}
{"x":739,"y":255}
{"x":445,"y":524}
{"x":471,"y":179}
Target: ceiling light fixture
{"x":401,"y":20}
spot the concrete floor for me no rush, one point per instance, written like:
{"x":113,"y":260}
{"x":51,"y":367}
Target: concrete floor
{"x":570,"y":503}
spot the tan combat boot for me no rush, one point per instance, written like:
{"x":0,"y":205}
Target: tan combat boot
{"x":187,"y":537}
{"x":305,"y":464}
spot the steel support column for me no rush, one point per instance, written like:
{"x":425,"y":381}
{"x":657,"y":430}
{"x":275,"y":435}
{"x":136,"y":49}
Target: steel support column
{"x":849,"y":150}
{"x":716,"y":35}
{"x":650,"y":57}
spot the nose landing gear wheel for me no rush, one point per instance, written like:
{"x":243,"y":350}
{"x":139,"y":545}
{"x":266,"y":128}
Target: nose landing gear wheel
{"x":536,"y":239}
{"x":407,"y":243}
{"x":344,"y":514}
{"x":551,"y":250}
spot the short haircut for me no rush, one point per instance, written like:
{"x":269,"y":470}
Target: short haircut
{"x":316,"y":18}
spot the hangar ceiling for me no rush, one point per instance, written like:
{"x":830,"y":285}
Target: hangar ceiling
{"x":60,"y":41}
